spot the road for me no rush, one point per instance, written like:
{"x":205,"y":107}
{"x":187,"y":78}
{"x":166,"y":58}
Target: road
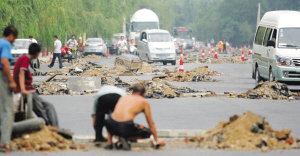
{"x":183,"y":113}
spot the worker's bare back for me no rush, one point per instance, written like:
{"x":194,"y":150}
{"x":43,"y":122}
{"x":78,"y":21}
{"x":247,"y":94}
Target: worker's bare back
{"x":128,"y":107}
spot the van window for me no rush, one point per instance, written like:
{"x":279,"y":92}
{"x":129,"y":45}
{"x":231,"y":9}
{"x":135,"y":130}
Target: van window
{"x":267,"y":36}
{"x":289,"y":38}
{"x":260,"y":35}
{"x":143,"y":36}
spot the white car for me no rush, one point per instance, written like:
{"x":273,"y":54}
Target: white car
{"x":157,"y":46}
{"x":19,"y":48}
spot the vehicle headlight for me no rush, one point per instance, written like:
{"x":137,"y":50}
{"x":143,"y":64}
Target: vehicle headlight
{"x":284,"y":61}
{"x":172,"y":47}
{"x":153,"y":55}
{"x":151,"y":48}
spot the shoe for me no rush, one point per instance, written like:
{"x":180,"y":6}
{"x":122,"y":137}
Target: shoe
{"x":49,"y":66}
{"x":125,"y":144}
{"x":6,"y":149}
{"x":108,"y":147}
{"x":61,"y":67}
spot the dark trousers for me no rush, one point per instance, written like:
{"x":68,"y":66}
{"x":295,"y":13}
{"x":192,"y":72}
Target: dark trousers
{"x":54,"y":58}
{"x":106,"y":105}
{"x":44,"y":110}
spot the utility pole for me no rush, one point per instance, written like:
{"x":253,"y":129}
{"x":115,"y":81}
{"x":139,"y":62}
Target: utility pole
{"x":124,"y":21}
{"x":258,"y":16}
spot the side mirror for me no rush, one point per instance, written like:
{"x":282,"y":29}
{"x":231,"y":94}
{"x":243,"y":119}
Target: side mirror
{"x":144,"y":40}
{"x":271,"y":43}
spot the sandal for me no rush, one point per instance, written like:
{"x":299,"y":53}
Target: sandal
{"x":5,"y":148}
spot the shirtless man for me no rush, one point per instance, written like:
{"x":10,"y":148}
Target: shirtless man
{"x":120,"y":123}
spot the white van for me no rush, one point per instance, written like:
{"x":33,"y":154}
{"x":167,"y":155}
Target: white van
{"x":157,"y":46}
{"x":276,"y":47}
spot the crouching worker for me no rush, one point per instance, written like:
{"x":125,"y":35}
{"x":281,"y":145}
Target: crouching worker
{"x":104,"y":103}
{"x":23,"y":78}
{"x":121,"y":124}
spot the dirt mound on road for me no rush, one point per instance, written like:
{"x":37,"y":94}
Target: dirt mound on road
{"x":270,"y":90}
{"x":246,"y":132}
{"x":44,"y":140}
{"x":93,"y":56}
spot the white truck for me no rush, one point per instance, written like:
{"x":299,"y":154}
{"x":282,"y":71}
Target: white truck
{"x":143,"y":19}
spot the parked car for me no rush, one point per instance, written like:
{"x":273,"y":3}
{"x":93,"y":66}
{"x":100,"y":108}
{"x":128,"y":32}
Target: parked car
{"x":276,"y":47}
{"x":95,"y":46}
{"x":157,"y":46}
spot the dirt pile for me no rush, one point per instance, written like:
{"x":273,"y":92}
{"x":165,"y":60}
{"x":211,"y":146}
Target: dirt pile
{"x":198,"y":74}
{"x":93,"y":56}
{"x":146,"y":68}
{"x":95,"y":72}
{"x":270,"y":90}
{"x":46,"y":88}
{"x":246,"y":132}
{"x":116,"y":81}
{"x":113,"y":71}
{"x":44,"y":140}
{"x":234,"y":60}
{"x":159,"y":89}
{"x":210,"y":59}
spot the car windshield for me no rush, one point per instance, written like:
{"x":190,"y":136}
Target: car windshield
{"x":289,"y":38}
{"x":19,"y":44}
{"x":140,"y":26}
{"x":94,"y":40}
{"x":159,"y":37}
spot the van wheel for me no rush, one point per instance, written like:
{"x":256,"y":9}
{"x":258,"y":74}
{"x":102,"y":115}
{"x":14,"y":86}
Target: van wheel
{"x":257,"y":75}
{"x":271,"y":76}
{"x":173,"y":62}
{"x":164,"y":63}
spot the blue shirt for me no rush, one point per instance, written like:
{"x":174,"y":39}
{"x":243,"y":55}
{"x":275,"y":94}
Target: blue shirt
{"x":5,"y":50}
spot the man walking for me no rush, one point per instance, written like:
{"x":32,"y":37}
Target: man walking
{"x":7,"y":85}
{"x":56,"y":52}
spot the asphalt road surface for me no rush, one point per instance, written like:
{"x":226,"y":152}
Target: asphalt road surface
{"x":74,"y":112}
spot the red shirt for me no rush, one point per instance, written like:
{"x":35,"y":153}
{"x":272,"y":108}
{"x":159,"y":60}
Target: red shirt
{"x":23,"y":63}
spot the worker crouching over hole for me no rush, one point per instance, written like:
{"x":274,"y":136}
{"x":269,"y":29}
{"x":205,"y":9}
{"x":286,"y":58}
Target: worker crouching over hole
{"x":121,"y":124}
{"x":104,"y":103}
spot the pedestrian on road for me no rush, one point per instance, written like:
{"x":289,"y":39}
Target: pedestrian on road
{"x":104,"y":103}
{"x":121,"y":124}
{"x":72,"y":43}
{"x":7,"y":85}
{"x":56,"y":52}
{"x":224,"y":46}
{"x":32,"y":39}
{"x":23,"y":78}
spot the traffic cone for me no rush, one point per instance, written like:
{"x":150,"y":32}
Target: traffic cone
{"x":45,"y":52}
{"x":243,"y":56}
{"x":249,"y":53}
{"x":216,"y":55}
{"x":229,"y":47}
{"x":244,"y":46}
{"x":236,"y":48}
{"x":181,"y":69}
{"x":193,"y":47}
{"x":51,"y":57}
{"x":107,"y":55}
{"x":203,"y":55}
{"x":212,"y":48}
{"x":248,"y":46}
{"x":181,"y":52}
{"x":209,"y":51}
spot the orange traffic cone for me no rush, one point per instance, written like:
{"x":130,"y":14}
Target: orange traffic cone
{"x":236,"y":48}
{"x":229,"y":47}
{"x":243,"y":56}
{"x":209,"y":51}
{"x":216,"y":55}
{"x":212,"y":48}
{"x":249,"y":53}
{"x":51,"y":57}
{"x":244,"y":46}
{"x":203,"y":55}
{"x":181,"y":52}
{"x":248,"y":46}
{"x":181,"y":69}
{"x":45,"y":52}
{"x":107,"y":55}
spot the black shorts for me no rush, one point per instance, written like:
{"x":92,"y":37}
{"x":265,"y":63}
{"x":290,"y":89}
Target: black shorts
{"x":126,"y":129}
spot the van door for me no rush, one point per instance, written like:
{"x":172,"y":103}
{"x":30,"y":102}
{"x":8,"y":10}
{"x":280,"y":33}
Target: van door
{"x":265,"y":63}
{"x":258,"y":50}
{"x":272,"y":51}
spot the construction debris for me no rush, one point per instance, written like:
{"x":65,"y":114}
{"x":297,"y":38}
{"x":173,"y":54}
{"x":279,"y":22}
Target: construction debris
{"x":44,"y":140}
{"x":46,"y":88}
{"x":116,"y":81}
{"x":269,"y":90}
{"x":159,"y":89}
{"x":246,"y":132}
{"x":93,"y":56}
{"x":60,"y":80}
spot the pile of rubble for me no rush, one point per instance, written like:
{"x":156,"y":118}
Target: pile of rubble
{"x":44,"y":140}
{"x":270,"y":90}
{"x":146,"y":68}
{"x":114,"y":71}
{"x":211,"y":60}
{"x":234,"y":60}
{"x":93,"y":56}
{"x":46,"y":88}
{"x":247,"y":132}
{"x":116,"y":81}
{"x":159,"y":89}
